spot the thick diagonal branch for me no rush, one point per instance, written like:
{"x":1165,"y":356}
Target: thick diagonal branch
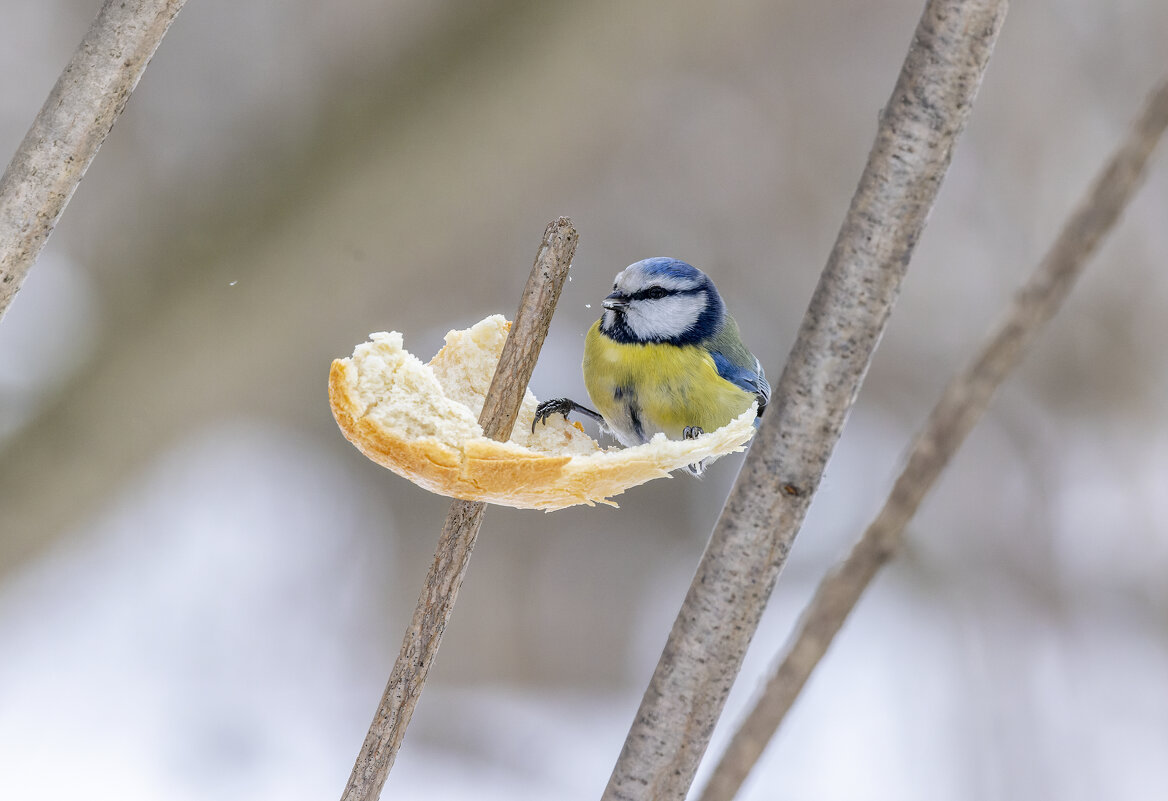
{"x":918,"y":130}
{"x":65,"y":136}
{"x":452,"y":555}
{"x":964,"y":401}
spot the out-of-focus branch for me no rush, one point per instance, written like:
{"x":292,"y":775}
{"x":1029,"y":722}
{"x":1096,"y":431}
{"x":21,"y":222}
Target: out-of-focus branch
{"x":964,"y":401}
{"x":918,"y":130}
{"x":65,"y":136}
{"x":461,"y":528}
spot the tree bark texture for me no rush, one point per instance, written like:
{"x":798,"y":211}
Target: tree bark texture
{"x":65,"y":136}
{"x":460,"y":531}
{"x":918,"y":129}
{"x":962,"y":404}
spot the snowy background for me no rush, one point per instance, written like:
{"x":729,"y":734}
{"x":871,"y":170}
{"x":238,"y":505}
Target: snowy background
{"x":203,"y":586}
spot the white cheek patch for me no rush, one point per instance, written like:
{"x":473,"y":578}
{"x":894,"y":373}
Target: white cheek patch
{"x":665,"y":318}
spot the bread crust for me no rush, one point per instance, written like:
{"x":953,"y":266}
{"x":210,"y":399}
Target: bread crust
{"x":558,"y":467}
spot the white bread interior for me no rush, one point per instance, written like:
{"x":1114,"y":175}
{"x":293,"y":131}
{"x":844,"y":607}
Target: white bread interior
{"x":421,"y":421}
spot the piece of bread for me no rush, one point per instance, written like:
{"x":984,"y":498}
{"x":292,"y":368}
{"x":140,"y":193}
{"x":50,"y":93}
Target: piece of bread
{"x":421,"y":421}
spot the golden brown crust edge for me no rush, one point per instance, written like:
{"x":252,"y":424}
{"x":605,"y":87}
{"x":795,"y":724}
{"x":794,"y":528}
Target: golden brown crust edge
{"x":484,"y":473}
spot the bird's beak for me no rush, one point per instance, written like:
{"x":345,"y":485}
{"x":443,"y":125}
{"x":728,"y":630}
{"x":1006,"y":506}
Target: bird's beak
{"x":615,"y":302}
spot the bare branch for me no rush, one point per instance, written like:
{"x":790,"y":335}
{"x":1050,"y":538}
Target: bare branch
{"x":964,"y":401}
{"x":65,"y":136}
{"x":452,"y":555}
{"x":918,"y":129}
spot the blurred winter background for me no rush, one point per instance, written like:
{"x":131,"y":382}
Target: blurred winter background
{"x":203,"y":586}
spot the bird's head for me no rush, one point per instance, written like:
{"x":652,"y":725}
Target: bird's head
{"x":662,"y":300}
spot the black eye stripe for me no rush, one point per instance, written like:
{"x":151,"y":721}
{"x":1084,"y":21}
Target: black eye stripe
{"x":644,"y":294}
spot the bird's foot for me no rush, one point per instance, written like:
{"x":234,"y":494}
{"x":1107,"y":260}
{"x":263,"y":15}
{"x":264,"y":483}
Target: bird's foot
{"x":693,"y":432}
{"x":564,"y":406}
{"x":549,"y":407}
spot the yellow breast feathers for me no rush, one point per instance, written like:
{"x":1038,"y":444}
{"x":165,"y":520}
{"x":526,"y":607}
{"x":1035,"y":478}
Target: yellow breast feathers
{"x":645,"y":388}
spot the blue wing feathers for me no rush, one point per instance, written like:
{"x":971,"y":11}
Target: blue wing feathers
{"x":750,"y":378}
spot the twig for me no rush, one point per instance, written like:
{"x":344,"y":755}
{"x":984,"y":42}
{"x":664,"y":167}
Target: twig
{"x":461,"y":528}
{"x":964,"y":401}
{"x":75,"y":119}
{"x":918,"y":129}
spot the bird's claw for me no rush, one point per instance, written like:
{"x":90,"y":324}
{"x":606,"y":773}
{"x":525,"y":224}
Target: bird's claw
{"x":549,"y":407}
{"x":693,"y":432}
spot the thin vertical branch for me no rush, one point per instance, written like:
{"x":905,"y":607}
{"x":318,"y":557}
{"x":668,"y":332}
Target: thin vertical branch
{"x":964,"y":401}
{"x":918,"y":130}
{"x":461,"y":528}
{"x":65,"y":136}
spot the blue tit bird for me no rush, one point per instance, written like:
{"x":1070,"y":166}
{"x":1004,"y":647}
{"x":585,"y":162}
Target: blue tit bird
{"x":665,"y":357}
